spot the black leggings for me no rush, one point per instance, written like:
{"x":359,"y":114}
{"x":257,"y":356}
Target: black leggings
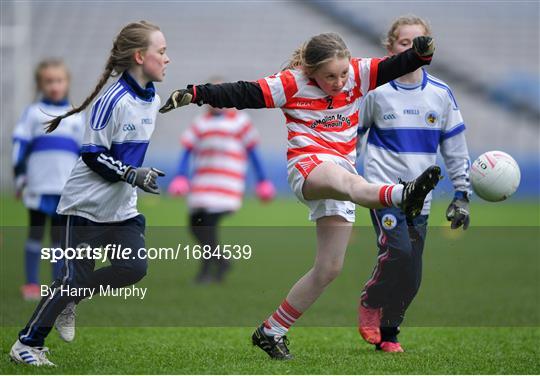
{"x":38,"y":222}
{"x":204,"y":226}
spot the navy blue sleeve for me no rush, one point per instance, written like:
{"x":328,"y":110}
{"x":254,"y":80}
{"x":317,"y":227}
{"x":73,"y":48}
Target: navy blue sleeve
{"x":256,"y":161}
{"x":102,"y":163}
{"x":19,"y":163}
{"x":183,"y":166}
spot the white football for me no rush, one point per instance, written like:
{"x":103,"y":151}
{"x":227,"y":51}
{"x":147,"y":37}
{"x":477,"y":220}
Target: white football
{"x":495,"y":176}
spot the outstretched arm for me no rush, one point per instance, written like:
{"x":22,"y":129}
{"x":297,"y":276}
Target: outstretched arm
{"x":240,"y":95}
{"x":408,"y":61}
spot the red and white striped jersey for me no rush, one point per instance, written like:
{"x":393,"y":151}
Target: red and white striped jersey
{"x":318,"y":123}
{"x":219,"y":144}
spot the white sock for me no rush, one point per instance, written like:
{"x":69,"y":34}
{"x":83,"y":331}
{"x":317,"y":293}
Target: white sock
{"x":397,"y":193}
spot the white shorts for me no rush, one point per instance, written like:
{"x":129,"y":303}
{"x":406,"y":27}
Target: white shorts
{"x":297,"y":174}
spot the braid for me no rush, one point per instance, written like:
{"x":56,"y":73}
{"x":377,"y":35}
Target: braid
{"x":53,"y":124}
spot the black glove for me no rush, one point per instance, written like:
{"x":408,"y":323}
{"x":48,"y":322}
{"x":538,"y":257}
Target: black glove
{"x":458,"y":211}
{"x":178,"y":98}
{"x":424,"y":46}
{"x":144,"y":178}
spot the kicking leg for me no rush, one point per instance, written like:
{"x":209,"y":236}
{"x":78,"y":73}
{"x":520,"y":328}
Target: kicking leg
{"x":330,"y":181}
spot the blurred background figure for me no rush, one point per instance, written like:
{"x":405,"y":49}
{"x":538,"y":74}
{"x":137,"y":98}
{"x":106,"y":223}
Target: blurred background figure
{"x":42,"y":163}
{"x":221,"y":141}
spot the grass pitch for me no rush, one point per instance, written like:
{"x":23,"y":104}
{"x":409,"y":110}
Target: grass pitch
{"x":477,"y":311}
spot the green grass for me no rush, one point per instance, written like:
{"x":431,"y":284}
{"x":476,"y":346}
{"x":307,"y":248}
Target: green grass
{"x":477,"y":312}
{"x":166,"y":211}
{"x":317,"y":350}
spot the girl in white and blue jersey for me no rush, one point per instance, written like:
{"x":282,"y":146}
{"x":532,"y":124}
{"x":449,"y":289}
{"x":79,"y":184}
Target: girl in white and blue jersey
{"x":409,"y":119}
{"x":99,"y":199}
{"x":42,"y":163}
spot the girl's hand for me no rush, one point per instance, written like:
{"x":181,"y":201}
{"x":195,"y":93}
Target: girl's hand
{"x":265,"y":191}
{"x":177,"y":99}
{"x":424,"y":46}
{"x":179,"y":186}
{"x":458,"y":212}
{"x":143,"y":177}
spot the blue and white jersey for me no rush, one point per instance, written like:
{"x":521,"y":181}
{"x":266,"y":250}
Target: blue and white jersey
{"x":407,"y":125}
{"x":46,"y":159}
{"x":120,"y":124}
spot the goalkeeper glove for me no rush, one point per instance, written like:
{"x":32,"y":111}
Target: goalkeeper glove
{"x":424,"y":46}
{"x":143,"y":177}
{"x":178,"y":98}
{"x":458,"y":211}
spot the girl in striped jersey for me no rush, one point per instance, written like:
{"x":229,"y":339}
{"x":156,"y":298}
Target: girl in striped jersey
{"x":42,"y":164}
{"x":220,"y":141}
{"x":317,"y":92}
{"x":99,"y":199}
{"x":424,"y":118}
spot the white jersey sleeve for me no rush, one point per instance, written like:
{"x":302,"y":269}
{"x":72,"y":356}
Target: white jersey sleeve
{"x":22,"y":136}
{"x":366,"y":111}
{"x":101,"y":127}
{"x":366,"y":118}
{"x":453,"y":146}
{"x":23,"y":128}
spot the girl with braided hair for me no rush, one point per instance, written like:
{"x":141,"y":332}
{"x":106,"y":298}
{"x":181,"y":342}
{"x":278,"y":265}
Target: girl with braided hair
{"x":99,"y":199}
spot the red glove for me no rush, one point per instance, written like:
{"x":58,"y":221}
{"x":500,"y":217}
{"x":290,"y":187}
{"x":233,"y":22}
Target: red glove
{"x":179,"y":186}
{"x":265,"y":191}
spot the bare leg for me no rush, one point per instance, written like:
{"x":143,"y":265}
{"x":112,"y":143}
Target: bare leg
{"x":330,"y":181}
{"x":333,"y":235}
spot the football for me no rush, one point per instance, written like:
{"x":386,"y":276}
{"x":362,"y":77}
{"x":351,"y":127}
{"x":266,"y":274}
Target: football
{"x":495,"y":176}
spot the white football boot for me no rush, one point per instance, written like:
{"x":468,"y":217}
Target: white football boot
{"x":65,"y":323}
{"x":35,"y":356}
